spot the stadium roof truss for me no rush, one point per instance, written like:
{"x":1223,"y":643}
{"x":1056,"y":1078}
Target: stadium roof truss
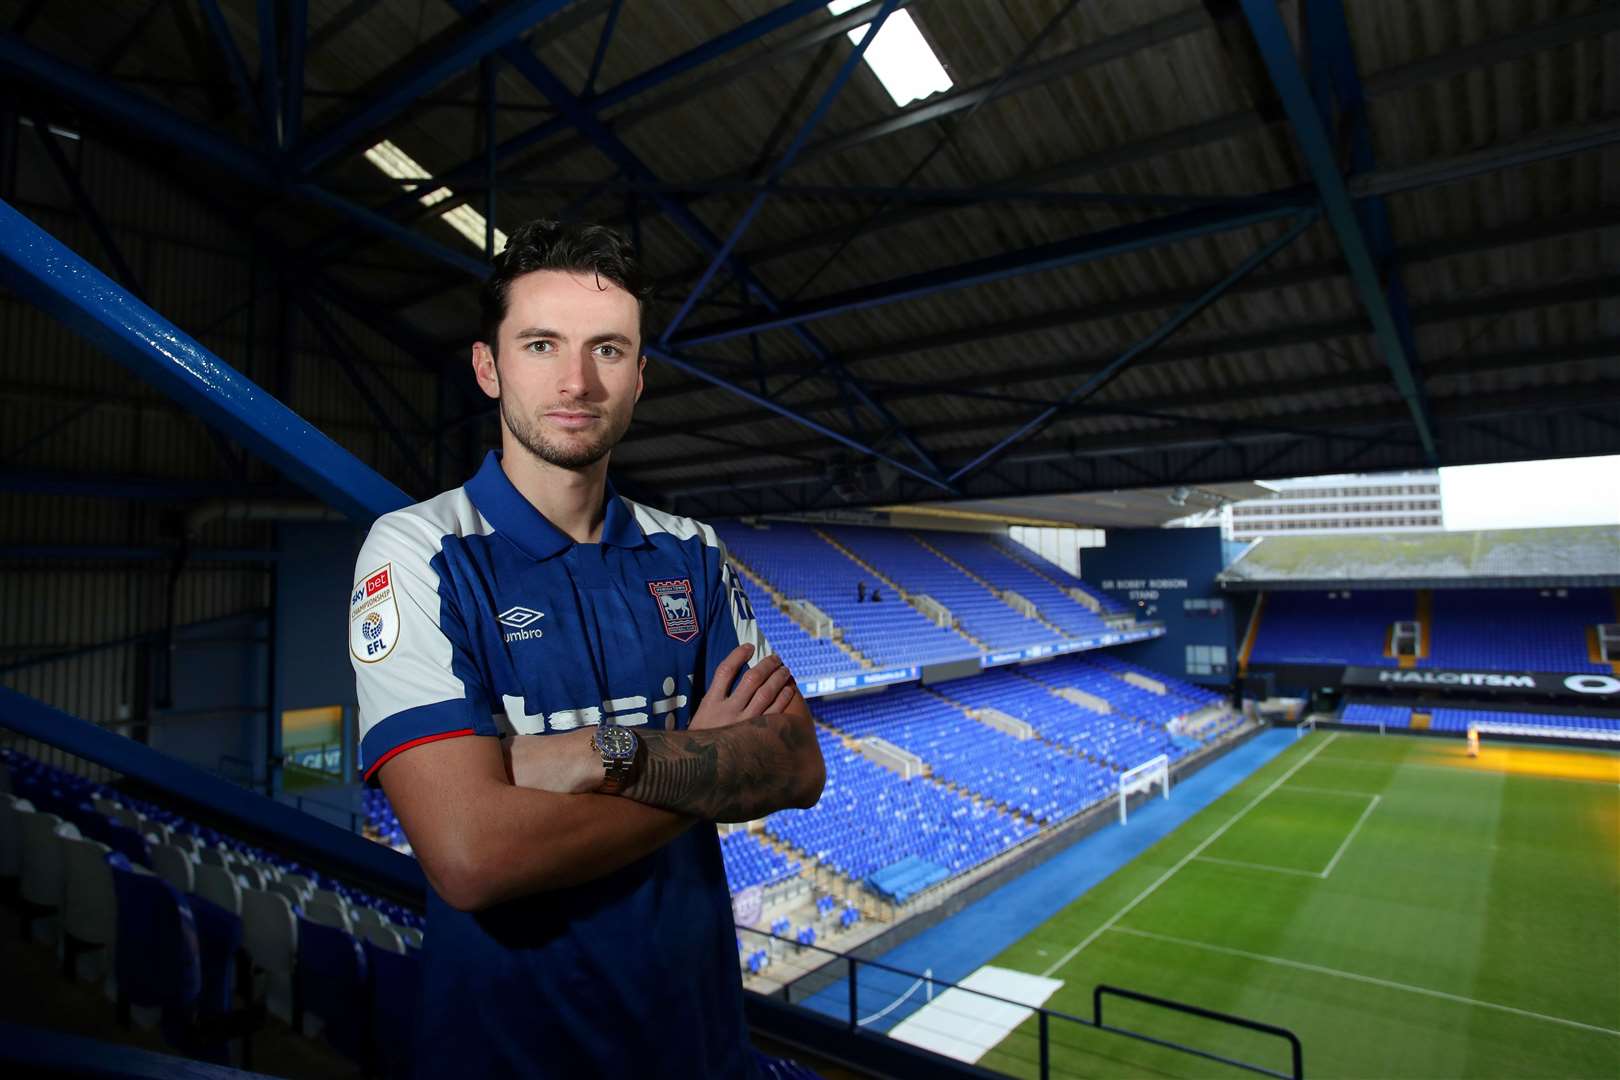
{"x":1133,"y":245}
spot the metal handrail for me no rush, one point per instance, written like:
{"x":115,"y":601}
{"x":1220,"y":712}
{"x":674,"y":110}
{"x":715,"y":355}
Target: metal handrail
{"x":1044,"y":1015}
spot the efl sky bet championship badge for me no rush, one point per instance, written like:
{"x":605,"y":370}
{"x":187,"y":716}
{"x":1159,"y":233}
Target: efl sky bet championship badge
{"x":675,"y":607}
{"x":373,"y":617}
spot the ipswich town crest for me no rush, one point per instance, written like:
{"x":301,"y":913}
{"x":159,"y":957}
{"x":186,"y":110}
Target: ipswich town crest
{"x":675,"y":607}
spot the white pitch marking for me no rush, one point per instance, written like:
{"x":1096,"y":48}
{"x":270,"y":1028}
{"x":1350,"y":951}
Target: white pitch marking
{"x":1360,"y":821}
{"x":1369,"y":979}
{"x":1190,"y":856}
{"x":1259,"y":866}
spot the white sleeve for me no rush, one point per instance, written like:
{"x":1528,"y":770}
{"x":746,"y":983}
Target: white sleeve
{"x":414,"y":676}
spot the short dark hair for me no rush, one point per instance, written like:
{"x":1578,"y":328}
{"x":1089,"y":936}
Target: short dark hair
{"x":543,"y":244}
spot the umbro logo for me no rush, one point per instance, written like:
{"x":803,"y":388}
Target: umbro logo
{"x":519,"y":617}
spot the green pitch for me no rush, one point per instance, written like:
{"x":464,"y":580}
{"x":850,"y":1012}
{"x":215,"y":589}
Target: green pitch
{"x":1407,"y":911}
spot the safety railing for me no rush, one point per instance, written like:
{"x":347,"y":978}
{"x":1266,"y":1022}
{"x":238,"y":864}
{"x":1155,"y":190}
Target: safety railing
{"x":863,"y":994}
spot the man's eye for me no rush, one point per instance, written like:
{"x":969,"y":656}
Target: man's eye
{"x":610,"y":352}
{"x":539,"y":346}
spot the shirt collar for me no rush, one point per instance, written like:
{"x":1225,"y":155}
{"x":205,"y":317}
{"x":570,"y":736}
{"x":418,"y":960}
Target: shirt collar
{"x":516,"y":518}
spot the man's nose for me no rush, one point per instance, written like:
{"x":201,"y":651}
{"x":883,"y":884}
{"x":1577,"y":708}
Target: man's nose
{"x":578,"y":376}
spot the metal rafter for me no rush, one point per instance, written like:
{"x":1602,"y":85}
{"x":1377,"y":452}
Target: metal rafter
{"x":1100,"y":378}
{"x":487,"y":31}
{"x":781,"y":166}
{"x":526,"y":64}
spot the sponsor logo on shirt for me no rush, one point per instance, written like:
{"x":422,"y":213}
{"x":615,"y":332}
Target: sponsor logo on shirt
{"x":674,"y":599}
{"x":373,"y":617}
{"x":518,"y":617}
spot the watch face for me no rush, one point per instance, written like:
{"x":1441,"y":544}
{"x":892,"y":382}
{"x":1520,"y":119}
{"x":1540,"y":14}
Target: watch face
{"x":616,"y":742}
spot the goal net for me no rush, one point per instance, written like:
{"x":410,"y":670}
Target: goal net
{"x":1305,"y":727}
{"x":1142,"y":778}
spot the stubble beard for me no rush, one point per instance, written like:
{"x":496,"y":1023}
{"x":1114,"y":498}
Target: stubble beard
{"x":576,"y":455}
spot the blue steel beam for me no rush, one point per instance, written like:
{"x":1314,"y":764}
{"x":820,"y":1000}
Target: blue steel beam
{"x":292,"y":88}
{"x":48,"y":274}
{"x":234,"y":64}
{"x":781,"y":166}
{"x":270,"y":99}
{"x":118,"y":109}
{"x":682,"y":364}
{"x":1107,"y":372}
{"x":1087,"y":248}
{"x":610,"y":24}
{"x":525,"y":63}
{"x":1316,"y":147}
{"x":490,"y":30}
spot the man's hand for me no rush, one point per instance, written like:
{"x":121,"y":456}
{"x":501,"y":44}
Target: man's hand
{"x":766,"y":690}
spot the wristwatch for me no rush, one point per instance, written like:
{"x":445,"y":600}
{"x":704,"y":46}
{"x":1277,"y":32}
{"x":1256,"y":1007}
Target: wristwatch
{"x":621,"y":757}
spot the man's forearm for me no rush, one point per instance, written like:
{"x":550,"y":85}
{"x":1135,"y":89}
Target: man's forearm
{"x":735,"y":773}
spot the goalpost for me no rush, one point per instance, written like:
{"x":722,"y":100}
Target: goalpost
{"x":1306,"y":727}
{"x":1142,"y":778}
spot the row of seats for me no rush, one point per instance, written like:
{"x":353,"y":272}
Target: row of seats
{"x":801,"y":565}
{"x":1110,"y":604}
{"x":984,"y":557}
{"x":1445,"y":719}
{"x":1024,"y":775}
{"x":1388,"y":717}
{"x":749,"y":862}
{"x":1479,"y":629}
{"x":808,"y":657}
{"x":210,"y":935}
{"x":869,"y":818}
{"x":899,"y":557}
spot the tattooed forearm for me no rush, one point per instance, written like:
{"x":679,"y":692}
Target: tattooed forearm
{"x":735,"y":773}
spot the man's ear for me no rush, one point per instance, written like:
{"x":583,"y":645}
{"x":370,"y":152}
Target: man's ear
{"x":485,"y":370}
{"x":641,"y":376}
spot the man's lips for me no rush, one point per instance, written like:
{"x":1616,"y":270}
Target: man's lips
{"x":572,"y":420}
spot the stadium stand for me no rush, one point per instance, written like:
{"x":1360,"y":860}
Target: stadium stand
{"x":869,"y":819}
{"x":809,"y":657}
{"x":750,"y":861}
{"x":1549,"y":630}
{"x":982,"y":557}
{"x":1024,"y":775}
{"x":1051,"y":571}
{"x":1377,"y":716}
{"x":1604,"y":728}
{"x":800,"y":565}
{"x":1335,"y":627}
{"x":977,"y":611}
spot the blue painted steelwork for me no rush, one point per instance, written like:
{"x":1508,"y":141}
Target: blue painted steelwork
{"x":234,"y":64}
{"x":48,"y":274}
{"x":1316,"y":147}
{"x":1108,"y":371}
{"x":781,"y":166}
{"x":525,"y":63}
{"x":648,"y":80}
{"x":489,"y":30}
{"x":301,"y":834}
{"x":115,"y":106}
{"x":292,"y":89}
{"x":679,"y":363}
{"x":602,"y":43}
{"x":1098,"y":245}
{"x":270,"y":100}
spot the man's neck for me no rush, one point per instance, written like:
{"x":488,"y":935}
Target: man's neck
{"x":571,"y":499}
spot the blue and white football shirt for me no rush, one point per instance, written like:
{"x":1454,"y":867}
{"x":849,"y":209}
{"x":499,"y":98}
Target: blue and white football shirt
{"x":473,"y":616}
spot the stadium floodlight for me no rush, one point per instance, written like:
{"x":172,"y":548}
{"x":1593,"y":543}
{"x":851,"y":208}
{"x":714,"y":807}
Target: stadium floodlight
{"x":1142,"y":778}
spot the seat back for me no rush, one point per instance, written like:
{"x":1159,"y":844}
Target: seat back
{"x":250,"y":876}
{"x":89,"y":903}
{"x":41,"y":860}
{"x":328,"y":913}
{"x":157,"y":960}
{"x":131,"y":842}
{"x":331,"y":980}
{"x":396,"y":991}
{"x":213,"y":856}
{"x":11,"y":836}
{"x":218,"y":885}
{"x":305,"y":887}
{"x":293,"y":897}
{"x":383,"y":937}
{"x":219,"y":936}
{"x":174,"y":866}
{"x":270,"y":935}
